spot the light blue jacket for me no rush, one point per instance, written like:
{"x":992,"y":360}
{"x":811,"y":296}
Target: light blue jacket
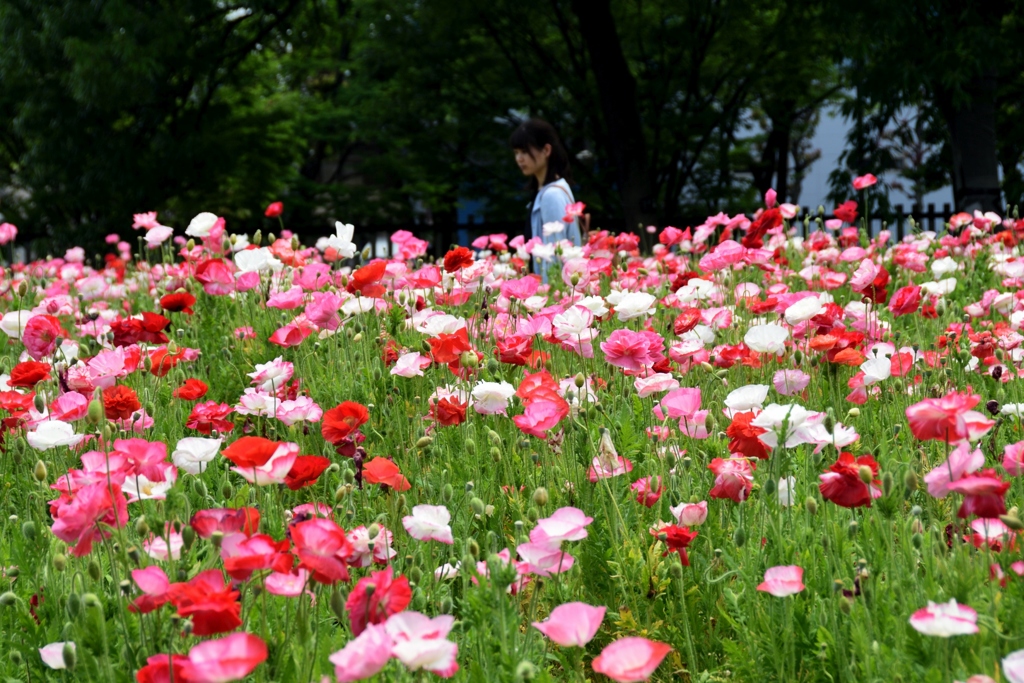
{"x":549,"y":206}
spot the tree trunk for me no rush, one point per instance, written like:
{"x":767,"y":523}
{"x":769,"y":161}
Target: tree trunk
{"x":616,"y":89}
{"x":972,"y":131}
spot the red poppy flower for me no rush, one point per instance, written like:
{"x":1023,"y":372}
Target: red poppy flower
{"x":842,"y":484}
{"x":305,"y":471}
{"x":375,"y":598}
{"x":163,"y":362}
{"x":365,"y":280}
{"x":178,"y":302}
{"x":226,"y":520}
{"x":515,"y":350}
{"x":29,"y":374}
{"x":339,"y":422}
{"x":251,"y":451}
{"x":983,"y":494}
{"x":847,"y":211}
{"x":209,"y":602}
{"x":163,"y":669}
{"x":120,"y":402}
{"x":743,"y":437}
{"x":676,"y":539}
{"x":448,"y":348}
{"x":905,"y":301}
{"x":686,"y":321}
{"x":383,"y":471}
{"x":192,"y":390}
{"x":153,"y":326}
{"x":126,"y":332}
{"x":449,"y":412}
{"x":769,"y":219}
{"x":457,"y":259}
{"x":205,"y":417}
{"x":274,"y":209}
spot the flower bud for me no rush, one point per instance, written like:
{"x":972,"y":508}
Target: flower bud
{"x":526,"y":671}
{"x":446,"y":606}
{"x":910,"y":481}
{"x":60,"y":562}
{"x":423,"y":442}
{"x":853,"y":528}
{"x":470,"y":446}
{"x":7,"y":599}
{"x":74,"y":605}
{"x":495,"y":454}
{"x":91,"y":601}
{"x":188,"y":537}
{"x":16,"y":658}
{"x":142,"y":526}
{"x":95,"y":412}
{"x":39,"y":472}
{"x":886,"y":484}
{"x":94,"y":570}
{"x":338,"y":606}
{"x":447,"y":492}
{"x":373,"y":531}
{"x":28,"y":530}
{"x":477,"y":505}
{"x":739,"y":537}
{"x":540,"y":496}
{"x":811,"y":505}
{"x":216,"y":538}
{"x":865,"y":473}
{"x":468,"y":359}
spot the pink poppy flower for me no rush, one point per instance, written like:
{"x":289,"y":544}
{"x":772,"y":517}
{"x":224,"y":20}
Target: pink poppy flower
{"x":678,"y":403}
{"x":691,"y":514}
{"x":605,"y":468}
{"x":790,"y":382}
{"x":1013,"y":458}
{"x":421,"y":643}
{"x":572,"y":624}
{"x":783,"y":581}
{"x":1013,"y":667}
{"x":540,"y":416}
{"x":302,"y":409}
{"x":410,"y":365}
{"x":289,"y":585}
{"x":945,"y":619}
{"x":630,"y":660}
{"x":7,"y":233}
{"x":632,"y":351}
{"x":948,"y":419}
{"x":363,"y":656}
{"x":565,"y":524}
{"x":734,"y":478}
{"x":272,"y":375}
{"x":53,"y":654}
{"x":962,"y":461}
{"x":864,"y":181}
{"x":40,"y":335}
{"x":226,"y":659}
{"x":544,"y":560}
{"x":429,"y":523}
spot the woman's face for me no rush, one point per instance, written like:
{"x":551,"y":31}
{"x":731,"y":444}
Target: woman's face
{"x":534,"y":160}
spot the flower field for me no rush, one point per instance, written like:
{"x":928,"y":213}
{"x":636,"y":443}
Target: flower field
{"x":771,"y":447}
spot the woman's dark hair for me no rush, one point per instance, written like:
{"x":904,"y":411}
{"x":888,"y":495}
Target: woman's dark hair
{"x":531,"y":136}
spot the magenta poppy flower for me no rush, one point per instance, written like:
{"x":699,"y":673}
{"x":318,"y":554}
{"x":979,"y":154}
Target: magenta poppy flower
{"x":783,"y":581}
{"x":630,"y":660}
{"x":865,"y":181}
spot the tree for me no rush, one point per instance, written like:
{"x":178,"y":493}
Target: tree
{"x":124,"y":106}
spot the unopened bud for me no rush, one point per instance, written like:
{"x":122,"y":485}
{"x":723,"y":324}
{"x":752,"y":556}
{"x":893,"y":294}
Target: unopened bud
{"x":28,"y":530}
{"x":95,"y":413}
{"x":540,"y":496}
{"x":216,"y":538}
{"x":39,"y":471}
{"x":7,"y":599}
{"x":811,"y":505}
{"x":94,"y":570}
{"x":853,"y":528}
{"x":739,"y":537}
{"x":866,"y":474}
{"x":886,"y":484}
{"x":477,"y":505}
{"x":373,"y":531}
{"x":60,"y":562}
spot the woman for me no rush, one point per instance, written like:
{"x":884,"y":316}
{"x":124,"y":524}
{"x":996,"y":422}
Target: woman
{"x":541,"y":156}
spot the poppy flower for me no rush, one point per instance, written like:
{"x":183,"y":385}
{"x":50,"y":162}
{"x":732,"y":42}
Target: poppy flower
{"x":178,"y":302}
{"x":842,"y":483}
{"x":768,"y":220}
{"x":945,"y":619}
{"x":242,"y":555}
{"x":192,"y":390}
{"x":274,"y":209}
{"x":162,"y":361}
{"x":230,"y":658}
{"x":847,"y":211}
{"x":686,"y":321}
{"x":743,"y":437}
{"x":375,"y":598}
{"x":209,"y":602}
{"x":383,"y":471}
{"x":29,"y":373}
{"x":448,"y":348}
{"x":323,"y":548}
{"x":119,"y":402}
{"x":572,"y":624}
{"x":949,"y":418}
{"x":163,"y":669}
{"x":905,"y":300}
{"x":305,"y":471}
{"x":457,"y":259}
{"x":342,"y":420}
{"x":226,"y":520}
{"x":449,"y":411}
{"x":251,"y":451}
{"x":983,"y":494}
{"x":40,"y":335}
{"x":865,"y":181}
{"x":783,"y":581}
{"x":734,"y":478}
{"x":630,"y":660}
{"x":676,"y":539}
{"x":365,"y":281}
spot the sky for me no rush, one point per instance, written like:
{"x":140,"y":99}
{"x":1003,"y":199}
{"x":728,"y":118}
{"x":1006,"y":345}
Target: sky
{"x":830,"y":138}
